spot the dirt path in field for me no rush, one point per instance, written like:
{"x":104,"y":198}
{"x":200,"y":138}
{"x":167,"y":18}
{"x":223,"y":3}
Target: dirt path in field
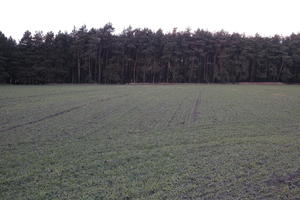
{"x":59,"y":113}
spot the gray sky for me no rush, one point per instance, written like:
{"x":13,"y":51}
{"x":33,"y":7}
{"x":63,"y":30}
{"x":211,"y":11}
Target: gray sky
{"x":266,"y":17}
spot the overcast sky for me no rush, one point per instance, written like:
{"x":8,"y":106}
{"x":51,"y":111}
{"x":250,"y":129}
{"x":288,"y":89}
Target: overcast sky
{"x":266,"y":17}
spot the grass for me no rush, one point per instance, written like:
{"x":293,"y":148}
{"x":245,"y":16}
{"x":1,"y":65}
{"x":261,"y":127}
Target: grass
{"x":150,"y":142}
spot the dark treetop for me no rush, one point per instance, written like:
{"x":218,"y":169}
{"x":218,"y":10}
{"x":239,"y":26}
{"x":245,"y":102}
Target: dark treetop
{"x":141,"y":55}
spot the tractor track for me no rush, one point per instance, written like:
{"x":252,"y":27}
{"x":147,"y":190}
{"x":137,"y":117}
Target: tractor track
{"x":175,"y":113}
{"x":59,"y":113}
{"x":195,"y":112}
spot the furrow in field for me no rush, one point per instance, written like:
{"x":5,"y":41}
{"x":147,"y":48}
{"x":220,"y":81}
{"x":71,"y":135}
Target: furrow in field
{"x":166,"y":110}
{"x":137,"y":116}
{"x":196,"y":112}
{"x":188,"y":109}
{"x":41,"y":119}
{"x":114,"y":115}
{"x":59,"y":113}
{"x":100,"y":117}
{"x":178,"y":108}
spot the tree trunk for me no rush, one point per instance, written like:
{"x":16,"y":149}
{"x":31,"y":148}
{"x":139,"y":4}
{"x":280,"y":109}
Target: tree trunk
{"x":250,"y":71}
{"x":134,"y":68}
{"x":214,"y":68}
{"x":191,"y":70}
{"x":204,"y":68}
{"x":268,"y":72}
{"x":153,"y":78}
{"x":280,"y":71}
{"x":167,"y":71}
{"x":78,"y":68}
{"x":99,"y":69}
{"x":90,"y":73}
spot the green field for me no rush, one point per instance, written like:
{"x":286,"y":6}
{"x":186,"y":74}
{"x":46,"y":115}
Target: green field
{"x":150,"y":142}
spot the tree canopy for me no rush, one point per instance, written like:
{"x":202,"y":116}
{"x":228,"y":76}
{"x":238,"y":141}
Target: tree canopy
{"x":147,"y":56}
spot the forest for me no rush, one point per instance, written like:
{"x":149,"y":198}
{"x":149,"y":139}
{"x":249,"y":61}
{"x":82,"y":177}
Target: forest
{"x":145,"y":56}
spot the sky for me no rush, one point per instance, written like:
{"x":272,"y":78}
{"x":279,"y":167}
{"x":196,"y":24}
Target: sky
{"x":266,"y":17}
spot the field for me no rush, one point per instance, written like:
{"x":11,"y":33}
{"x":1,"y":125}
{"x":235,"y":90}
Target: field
{"x":150,"y":142}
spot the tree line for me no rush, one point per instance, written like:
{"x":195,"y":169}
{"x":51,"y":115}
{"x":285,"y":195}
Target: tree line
{"x":146,"y":56}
